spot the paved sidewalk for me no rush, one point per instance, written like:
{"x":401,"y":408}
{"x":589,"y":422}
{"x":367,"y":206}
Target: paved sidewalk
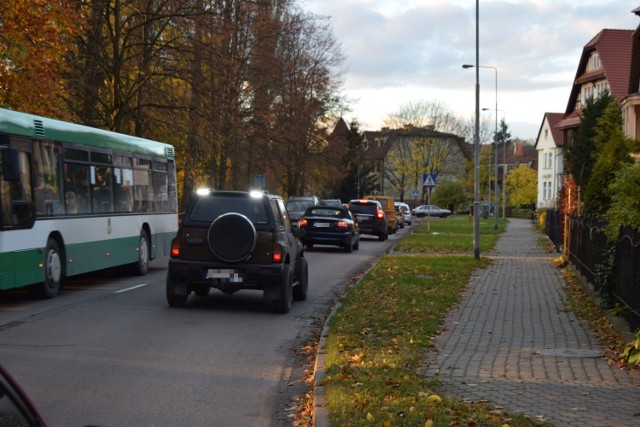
{"x":489,"y":350}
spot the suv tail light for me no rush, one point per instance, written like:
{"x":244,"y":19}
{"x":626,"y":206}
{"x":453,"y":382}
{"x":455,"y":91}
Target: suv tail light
{"x":303,"y":223}
{"x":175,"y":247}
{"x":380,"y":214}
{"x":277,"y":253}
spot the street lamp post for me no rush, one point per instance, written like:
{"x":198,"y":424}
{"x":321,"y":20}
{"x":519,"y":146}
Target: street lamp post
{"x":476,"y":143}
{"x":504,"y":166}
{"x":495,"y":144}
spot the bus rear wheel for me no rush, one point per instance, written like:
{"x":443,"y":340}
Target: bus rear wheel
{"x":141,"y":267}
{"x":53,"y":271}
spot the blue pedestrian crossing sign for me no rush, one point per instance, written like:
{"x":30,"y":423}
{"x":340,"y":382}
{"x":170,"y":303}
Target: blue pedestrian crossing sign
{"x":429,"y":180}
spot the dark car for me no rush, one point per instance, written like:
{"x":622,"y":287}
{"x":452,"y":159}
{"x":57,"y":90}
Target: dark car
{"x":296,"y":206}
{"x":329,"y":225}
{"x":233,"y":240}
{"x":16,"y":409}
{"x":331,"y":202}
{"x":370,"y":217}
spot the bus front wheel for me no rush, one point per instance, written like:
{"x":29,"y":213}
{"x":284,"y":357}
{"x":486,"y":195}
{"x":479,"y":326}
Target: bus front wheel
{"x":53,"y":271}
{"x":141,"y":267}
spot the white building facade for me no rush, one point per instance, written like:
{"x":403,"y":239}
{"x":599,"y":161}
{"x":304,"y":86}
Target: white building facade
{"x":550,"y":160}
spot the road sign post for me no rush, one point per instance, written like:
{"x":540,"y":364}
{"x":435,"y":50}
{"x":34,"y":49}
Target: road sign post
{"x":429,"y":182}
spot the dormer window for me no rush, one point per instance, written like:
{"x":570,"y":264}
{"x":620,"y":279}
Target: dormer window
{"x":594,"y":62}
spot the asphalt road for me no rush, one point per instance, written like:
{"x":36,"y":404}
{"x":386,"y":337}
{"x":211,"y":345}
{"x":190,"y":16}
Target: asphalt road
{"x":108,"y":351}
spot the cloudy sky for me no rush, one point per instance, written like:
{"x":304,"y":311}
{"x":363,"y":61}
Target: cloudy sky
{"x":402,"y":51}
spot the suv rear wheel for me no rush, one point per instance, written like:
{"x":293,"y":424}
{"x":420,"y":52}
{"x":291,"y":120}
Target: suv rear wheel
{"x":285,"y":293}
{"x":301,"y":289}
{"x":173,"y":298}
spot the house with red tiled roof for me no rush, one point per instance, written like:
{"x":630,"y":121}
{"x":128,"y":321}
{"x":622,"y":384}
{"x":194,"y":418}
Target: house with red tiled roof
{"x":631,"y":103}
{"x":605,"y":65}
{"x":549,"y":144}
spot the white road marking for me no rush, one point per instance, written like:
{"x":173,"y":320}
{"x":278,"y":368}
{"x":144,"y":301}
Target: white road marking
{"x":131,"y":288}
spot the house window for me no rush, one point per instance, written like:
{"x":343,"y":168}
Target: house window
{"x":601,"y":87}
{"x":595,"y":62}
{"x":548,"y":160}
{"x":588,"y":91}
{"x":546,"y":190}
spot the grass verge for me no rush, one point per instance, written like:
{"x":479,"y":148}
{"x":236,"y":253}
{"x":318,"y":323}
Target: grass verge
{"x":375,"y":348}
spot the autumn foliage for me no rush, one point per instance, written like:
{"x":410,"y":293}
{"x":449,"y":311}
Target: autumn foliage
{"x":36,"y":42}
{"x":240,"y":88}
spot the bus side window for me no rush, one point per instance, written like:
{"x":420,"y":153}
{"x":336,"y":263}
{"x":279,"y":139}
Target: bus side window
{"x":76,"y":185}
{"x":122,"y":189}
{"x":46,"y":164}
{"x":17,"y":204}
{"x":142,"y":191}
{"x":101,"y":182}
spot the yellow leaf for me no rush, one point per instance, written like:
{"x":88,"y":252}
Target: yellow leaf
{"x":370,"y":417}
{"x":428,"y":423}
{"x":434,"y":398}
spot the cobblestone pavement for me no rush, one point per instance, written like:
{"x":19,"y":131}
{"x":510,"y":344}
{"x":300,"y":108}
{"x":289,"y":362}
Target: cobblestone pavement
{"x":512,"y":342}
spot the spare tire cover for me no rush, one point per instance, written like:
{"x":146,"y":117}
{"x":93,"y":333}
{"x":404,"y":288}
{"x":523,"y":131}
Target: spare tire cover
{"x":232,"y":237}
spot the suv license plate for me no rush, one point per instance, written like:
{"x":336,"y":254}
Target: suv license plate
{"x":361,"y":217}
{"x":225,"y":273}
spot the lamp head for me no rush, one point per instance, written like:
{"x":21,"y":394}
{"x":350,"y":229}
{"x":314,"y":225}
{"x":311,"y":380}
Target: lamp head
{"x":468,"y":66}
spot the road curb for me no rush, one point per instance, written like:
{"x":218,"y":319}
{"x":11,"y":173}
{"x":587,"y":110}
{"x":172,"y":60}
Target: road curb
{"x":320,"y":416}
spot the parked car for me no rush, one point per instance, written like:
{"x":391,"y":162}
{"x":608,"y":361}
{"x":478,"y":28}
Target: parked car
{"x":331,"y":202}
{"x":405,"y":212}
{"x":399,"y":216}
{"x":233,"y":240}
{"x":16,"y":409}
{"x":390,"y":211}
{"x":370,"y":217}
{"x":431,"y":210}
{"x":329,"y":225}
{"x":296,"y":206}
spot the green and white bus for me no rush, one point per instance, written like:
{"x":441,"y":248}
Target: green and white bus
{"x":76,"y":199}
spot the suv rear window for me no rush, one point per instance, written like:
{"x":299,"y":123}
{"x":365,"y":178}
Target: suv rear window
{"x":368,"y":208}
{"x":324,"y":211}
{"x":299,"y":205}
{"x":206,"y":209}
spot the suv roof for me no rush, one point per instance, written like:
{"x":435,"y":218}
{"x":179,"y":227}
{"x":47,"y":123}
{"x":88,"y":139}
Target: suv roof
{"x":389,"y":209}
{"x":365,"y":205}
{"x":207,"y":208}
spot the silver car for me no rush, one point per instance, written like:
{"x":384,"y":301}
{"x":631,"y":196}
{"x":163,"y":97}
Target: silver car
{"x":406,"y":212}
{"x":431,"y":210}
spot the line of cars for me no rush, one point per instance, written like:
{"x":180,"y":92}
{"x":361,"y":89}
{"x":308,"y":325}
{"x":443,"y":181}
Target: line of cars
{"x":334,"y":224}
{"x":236,"y":240}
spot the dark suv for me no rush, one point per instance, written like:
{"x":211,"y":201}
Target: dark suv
{"x":370,"y":216}
{"x":233,"y":240}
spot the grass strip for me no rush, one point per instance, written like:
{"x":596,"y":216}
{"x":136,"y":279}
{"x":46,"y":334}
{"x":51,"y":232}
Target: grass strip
{"x":377,"y":341}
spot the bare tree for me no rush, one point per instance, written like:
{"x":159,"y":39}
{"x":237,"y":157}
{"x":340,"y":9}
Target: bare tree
{"x":425,"y":114}
{"x":309,"y":61}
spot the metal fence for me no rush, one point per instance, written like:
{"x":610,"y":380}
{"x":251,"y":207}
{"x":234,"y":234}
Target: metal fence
{"x":553,"y":227}
{"x":588,"y":249}
{"x":627,"y":269}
